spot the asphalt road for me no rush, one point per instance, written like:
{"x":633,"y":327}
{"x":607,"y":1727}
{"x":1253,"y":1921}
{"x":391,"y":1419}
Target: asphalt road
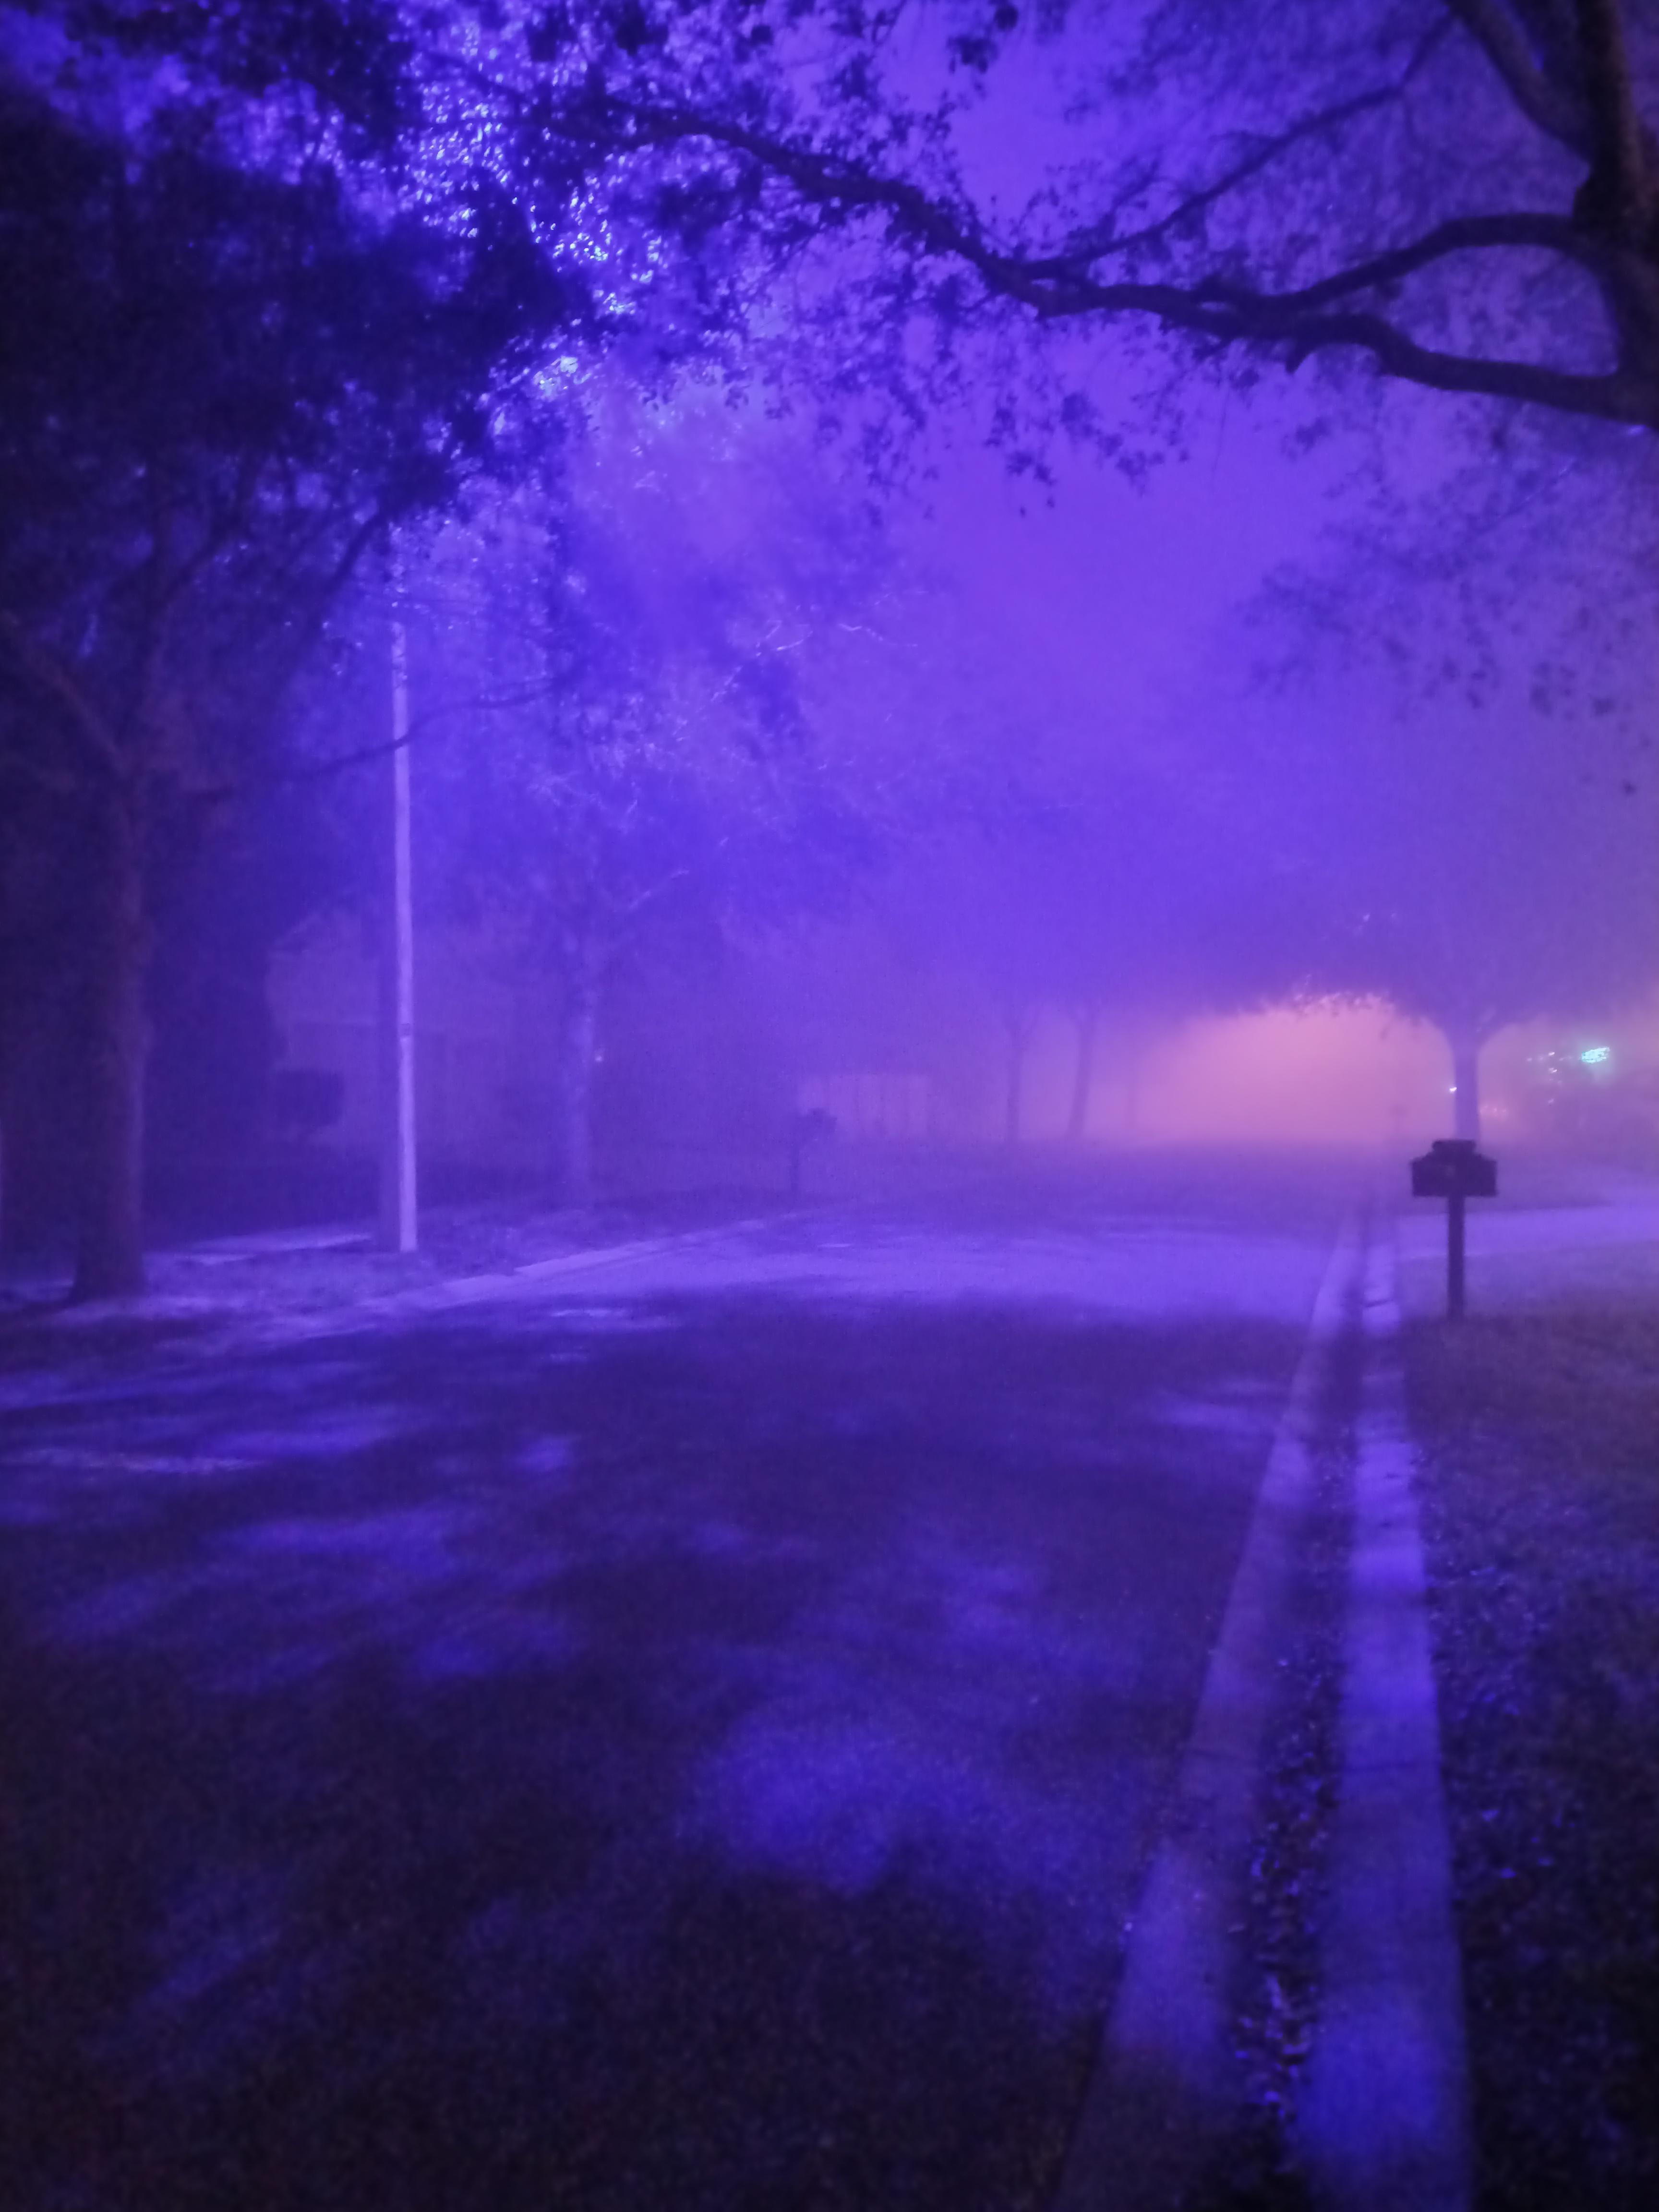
{"x":687,"y":1734}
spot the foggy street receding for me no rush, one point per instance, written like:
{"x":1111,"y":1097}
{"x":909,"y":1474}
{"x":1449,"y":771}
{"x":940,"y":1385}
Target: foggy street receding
{"x":789,"y":793}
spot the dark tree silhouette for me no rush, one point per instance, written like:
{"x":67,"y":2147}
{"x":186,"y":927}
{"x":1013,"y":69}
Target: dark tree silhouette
{"x":1476,"y":867}
{"x":227,"y":388}
{"x":1464,"y":191}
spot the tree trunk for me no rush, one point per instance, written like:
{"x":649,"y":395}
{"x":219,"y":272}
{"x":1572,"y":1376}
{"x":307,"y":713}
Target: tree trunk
{"x":1083,"y":1075}
{"x":1466,"y":1083}
{"x":40,"y":1164}
{"x":110,"y":1246}
{"x":578,"y":1038}
{"x":399,"y":1220}
{"x":1019,"y":1025}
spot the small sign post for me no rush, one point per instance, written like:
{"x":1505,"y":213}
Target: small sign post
{"x":808,"y":1125}
{"x":1453,"y":1168}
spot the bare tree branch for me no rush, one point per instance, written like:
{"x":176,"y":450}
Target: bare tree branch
{"x":1225,"y":313}
{"x":52,"y":681}
{"x":1100,"y":239}
{"x":316,"y":771}
{"x":1544,"y":102}
{"x":1474,"y":234}
{"x":57,"y":782}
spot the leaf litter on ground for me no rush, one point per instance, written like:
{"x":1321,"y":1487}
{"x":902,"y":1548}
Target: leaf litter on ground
{"x":1539,"y":1431}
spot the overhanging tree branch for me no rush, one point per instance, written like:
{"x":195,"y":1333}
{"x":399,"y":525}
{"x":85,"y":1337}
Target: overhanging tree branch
{"x":1475,"y":233}
{"x":1093,"y":244}
{"x":1550,"y":106}
{"x":1224,"y":312}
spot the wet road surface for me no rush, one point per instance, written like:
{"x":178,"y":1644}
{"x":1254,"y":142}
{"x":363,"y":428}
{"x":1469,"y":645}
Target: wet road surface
{"x":690,"y":1734}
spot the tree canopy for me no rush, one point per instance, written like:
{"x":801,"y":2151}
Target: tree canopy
{"x":1466,"y":192}
{"x":661,"y":690}
{"x":299,"y":269}
{"x":227,"y":385}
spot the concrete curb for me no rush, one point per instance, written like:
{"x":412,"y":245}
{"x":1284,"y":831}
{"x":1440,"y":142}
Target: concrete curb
{"x":1382,"y":2123}
{"x":1169,"y":2091}
{"x":466,"y":1289}
{"x":463,"y":1291}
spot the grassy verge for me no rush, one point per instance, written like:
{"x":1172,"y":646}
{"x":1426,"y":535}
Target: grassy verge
{"x":1540,"y":1429}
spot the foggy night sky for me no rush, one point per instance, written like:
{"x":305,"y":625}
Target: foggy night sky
{"x":1114,"y":621}
{"x":1103,"y":592}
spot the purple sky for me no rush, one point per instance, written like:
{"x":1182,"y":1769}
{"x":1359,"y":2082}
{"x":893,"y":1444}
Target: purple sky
{"x":1105,"y":593}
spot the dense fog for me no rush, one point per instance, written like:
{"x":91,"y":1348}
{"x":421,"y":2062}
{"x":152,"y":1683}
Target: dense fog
{"x":829,"y":1105}
{"x":833,"y":685}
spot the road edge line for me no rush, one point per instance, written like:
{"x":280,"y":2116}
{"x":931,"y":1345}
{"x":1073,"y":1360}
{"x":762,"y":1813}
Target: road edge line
{"x":1382,"y":2123}
{"x":1168,"y":2087}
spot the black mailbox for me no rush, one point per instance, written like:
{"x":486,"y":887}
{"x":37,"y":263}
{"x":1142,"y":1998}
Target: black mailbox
{"x":1453,"y":1168}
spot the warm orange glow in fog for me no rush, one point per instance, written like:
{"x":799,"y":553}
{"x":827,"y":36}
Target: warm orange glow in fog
{"x":1335,"y":1074}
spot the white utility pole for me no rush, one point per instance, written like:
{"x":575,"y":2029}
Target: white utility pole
{"x":397,"y":1228}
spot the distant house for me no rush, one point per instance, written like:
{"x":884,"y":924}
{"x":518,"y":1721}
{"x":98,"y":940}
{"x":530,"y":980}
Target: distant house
{"x":872,"y":1104}
{"x":484,"y":1085}
{"x":695,"y":1087}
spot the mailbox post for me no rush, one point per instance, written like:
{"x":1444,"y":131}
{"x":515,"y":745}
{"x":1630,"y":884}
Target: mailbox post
{"x":811,"y":1125}
{"x":1453,"y":1168}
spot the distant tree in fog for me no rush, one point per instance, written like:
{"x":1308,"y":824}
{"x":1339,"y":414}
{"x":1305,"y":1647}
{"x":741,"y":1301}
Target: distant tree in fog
{"x":1105,"y":881}
{"x":1476,"y":865}
{"x":1453,"y":750}
{"x":1529,"y":564}
{"x":675,"y":646}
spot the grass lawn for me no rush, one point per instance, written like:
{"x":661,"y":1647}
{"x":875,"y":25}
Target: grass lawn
{"x":1539,"y":1423}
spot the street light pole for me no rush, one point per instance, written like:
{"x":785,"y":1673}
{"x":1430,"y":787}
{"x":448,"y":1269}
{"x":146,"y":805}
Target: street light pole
{"x":397,"y":1222}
